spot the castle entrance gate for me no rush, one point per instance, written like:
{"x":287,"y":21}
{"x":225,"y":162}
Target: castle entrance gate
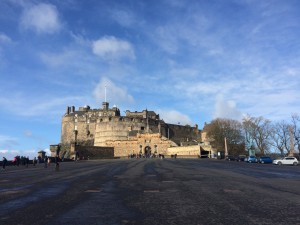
{"x":147,"y":150}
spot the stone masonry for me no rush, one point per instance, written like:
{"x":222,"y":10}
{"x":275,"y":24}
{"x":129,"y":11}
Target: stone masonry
{"x":136,"y":132}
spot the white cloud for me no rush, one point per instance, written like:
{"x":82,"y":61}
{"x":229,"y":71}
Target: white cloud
{"x":41,"y":105}
{"x":42,"y":18}
{"x":4,"y":38}
{"x":174,"y":117}
{"x":116,"y":94}
{"x":226,"y":109}
{"x":124,"y":18}
{"x":111,"y":48}
{"x":8,"y":142}
{"x":27,"y":133}
{"x":59,"y":59}
{"x":167,"y":39}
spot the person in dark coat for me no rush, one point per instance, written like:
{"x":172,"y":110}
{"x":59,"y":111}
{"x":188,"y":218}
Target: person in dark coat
{"x":45,"y":162}
{"x":4,"y":162}
{"x":57,"y":163}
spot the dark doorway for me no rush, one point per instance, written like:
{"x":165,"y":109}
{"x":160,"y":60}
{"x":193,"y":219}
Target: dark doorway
{"x":204,"y":154}
{"x":147,"y":150}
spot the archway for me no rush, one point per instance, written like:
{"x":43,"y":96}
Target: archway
{"x":147,"y":151}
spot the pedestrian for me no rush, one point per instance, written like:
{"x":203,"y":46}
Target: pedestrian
{"x":34,"y":161}
{"x":27,"y":161}
{"x":76,"y":156}
{"x":45,"y":162}
{"x":4,"y":162}
{"x":57,"y":163}
{"x":14,"y":161}
{"x":18,"y":160}
{"x":49,"y":161}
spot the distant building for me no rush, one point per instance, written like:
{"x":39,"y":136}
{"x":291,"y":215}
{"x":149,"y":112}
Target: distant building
{"x":135,"y":133}
{"x":42,"y":154}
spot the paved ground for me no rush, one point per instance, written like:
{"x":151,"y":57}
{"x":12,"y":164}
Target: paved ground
{"x":151,"y":191}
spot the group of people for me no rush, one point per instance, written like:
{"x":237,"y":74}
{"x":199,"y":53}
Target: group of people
{"x":130,"y":156}
{"x":48,"y":161}
{"x":24,"y":161}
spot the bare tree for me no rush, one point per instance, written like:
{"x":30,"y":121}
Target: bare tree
{"x":258,"y":131}
{"x":296,"y":130}
{"x":280,"y":137}
{"x":219,"y":128}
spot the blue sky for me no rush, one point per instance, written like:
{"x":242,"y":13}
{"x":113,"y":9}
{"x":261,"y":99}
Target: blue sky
{"x":190,"y":61}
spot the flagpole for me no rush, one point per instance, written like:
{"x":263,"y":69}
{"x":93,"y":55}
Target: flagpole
{"x":105,"y":93}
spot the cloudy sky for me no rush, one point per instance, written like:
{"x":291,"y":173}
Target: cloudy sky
{"x":190,"y":61}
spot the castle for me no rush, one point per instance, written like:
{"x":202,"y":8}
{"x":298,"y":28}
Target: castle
{"x":106,"y":130}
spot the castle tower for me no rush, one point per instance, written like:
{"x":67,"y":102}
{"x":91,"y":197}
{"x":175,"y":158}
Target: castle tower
{"x":105,"y":105}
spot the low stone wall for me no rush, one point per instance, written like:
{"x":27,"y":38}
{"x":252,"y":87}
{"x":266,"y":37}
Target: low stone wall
{"x":95,"y":152}
{"x":185,"y":151}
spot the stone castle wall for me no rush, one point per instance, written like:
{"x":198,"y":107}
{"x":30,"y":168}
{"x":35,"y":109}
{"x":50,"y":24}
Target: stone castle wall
{"x":139,"y":145}
{"x":180,"y":133}
{"x":193,"y":150}
{"x":106,"y":127}
{"x":78,"y":130}
{"x":94,"y":152}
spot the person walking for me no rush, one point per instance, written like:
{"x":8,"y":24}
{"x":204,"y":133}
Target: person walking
{"x":57,"y":163}
{"x":49,"y":161}
{"x":45,"y":162}
{"x":27,"y":161}
{"x":4,"y":162}
{"x":76,"y":155}
{"x":34,"y":161}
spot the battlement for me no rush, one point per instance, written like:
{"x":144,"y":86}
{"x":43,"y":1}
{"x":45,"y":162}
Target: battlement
{"x":144,"y":114}
{"x":104,"y":111}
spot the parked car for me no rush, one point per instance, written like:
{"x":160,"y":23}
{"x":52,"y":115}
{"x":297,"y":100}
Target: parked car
{"x":230,"y":158}
{"x":265,"y":159}
{"x":241,"y":158}
{"x":286,"y":161}
{"x":252,"y":159}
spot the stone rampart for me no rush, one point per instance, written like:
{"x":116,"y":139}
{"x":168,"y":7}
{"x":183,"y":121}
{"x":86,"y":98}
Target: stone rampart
{"x":95,"y":152}
{"x":187,"y":151}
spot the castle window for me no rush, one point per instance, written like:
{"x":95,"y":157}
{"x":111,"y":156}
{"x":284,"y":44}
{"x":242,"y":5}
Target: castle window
{"x":142,"y":128}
